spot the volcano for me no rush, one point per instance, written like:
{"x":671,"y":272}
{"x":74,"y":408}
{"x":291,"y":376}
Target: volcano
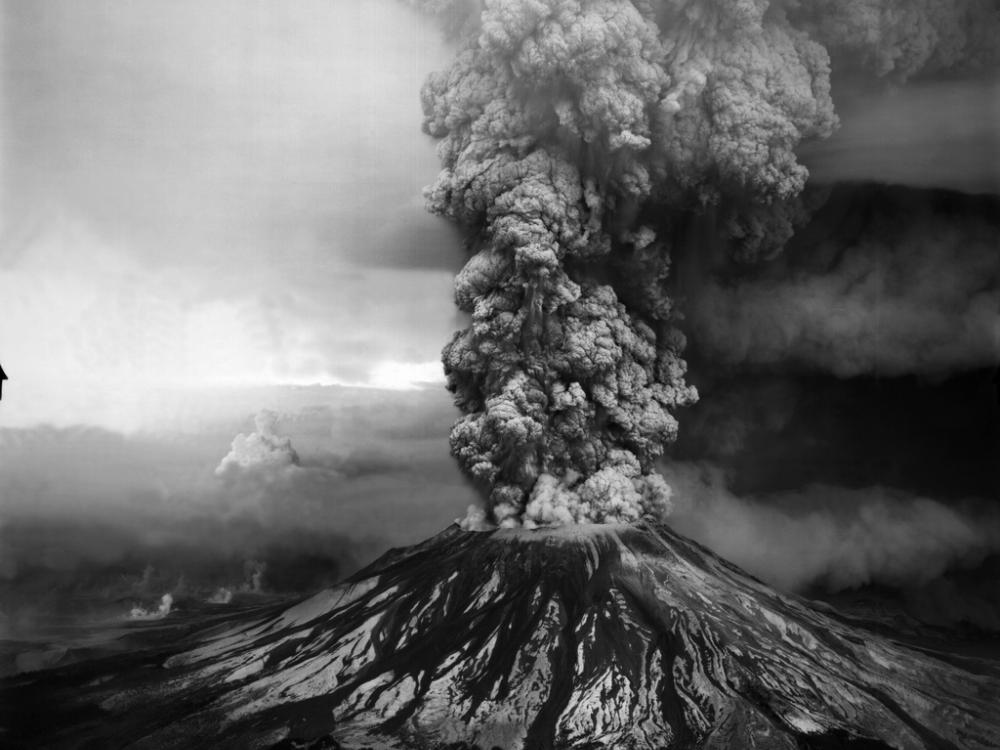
{"x":600,"y":636}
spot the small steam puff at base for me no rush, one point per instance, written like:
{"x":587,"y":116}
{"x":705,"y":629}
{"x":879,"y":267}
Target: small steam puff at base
{"x":141,"y":613}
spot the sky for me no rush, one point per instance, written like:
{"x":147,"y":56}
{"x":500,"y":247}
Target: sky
{"x":214,"y":194}
{"x":212,"y":211}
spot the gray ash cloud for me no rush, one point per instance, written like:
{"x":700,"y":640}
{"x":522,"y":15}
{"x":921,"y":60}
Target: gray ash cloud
{"x":630,"y":180}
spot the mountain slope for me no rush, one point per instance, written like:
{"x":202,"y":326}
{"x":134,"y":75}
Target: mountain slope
{"x":582,"y":637}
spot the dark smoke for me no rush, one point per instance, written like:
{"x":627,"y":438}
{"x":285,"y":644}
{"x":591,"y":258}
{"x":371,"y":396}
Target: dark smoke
{"x":777,"y":432}
{"x":808,"y":191}
{"x":586,"y":143}
{"x":568,"y":132}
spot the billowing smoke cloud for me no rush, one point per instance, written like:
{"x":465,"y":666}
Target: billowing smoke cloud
{"x":832,"y":537}
{"x":261,"y":448}
{"x":566,"y":129}
{"x":917,"y":293}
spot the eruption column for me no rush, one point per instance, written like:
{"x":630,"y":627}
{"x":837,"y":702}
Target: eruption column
{"x":567,"y":130}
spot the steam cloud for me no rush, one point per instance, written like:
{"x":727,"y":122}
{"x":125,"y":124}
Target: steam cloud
{"x":914,"y":295}
{"x":261,"y":448}
{"x":833,"y":537}
{"x":582,"y":141}
{"x":163,"y":609}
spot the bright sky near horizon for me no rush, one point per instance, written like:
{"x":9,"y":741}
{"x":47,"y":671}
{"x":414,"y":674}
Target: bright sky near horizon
{"x":221,"y":193}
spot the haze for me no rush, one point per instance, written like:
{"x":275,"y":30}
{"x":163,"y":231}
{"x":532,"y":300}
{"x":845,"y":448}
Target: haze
{"x":207,"y":207}
{"x":218,"y":193}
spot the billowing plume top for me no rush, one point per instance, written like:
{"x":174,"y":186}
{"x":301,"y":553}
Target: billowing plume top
{"x":566,"y":127}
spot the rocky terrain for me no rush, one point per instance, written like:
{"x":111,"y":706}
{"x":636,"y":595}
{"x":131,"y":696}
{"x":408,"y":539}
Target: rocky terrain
{"x":580,"y":637}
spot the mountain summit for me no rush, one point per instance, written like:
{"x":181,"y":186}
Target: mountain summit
{"x":573,"y":637}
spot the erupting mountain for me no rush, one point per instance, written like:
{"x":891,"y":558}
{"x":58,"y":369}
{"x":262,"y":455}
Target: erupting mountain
{"x":577,"y":637}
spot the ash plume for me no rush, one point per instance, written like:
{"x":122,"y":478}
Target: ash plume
{"x":576,"y":138}
{"x":621,"y":166}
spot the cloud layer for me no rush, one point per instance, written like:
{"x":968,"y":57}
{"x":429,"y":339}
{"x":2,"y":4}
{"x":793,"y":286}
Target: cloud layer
{"x":832,"y":537}
{"x":917,"y":293}
{"x":93,"y":520}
